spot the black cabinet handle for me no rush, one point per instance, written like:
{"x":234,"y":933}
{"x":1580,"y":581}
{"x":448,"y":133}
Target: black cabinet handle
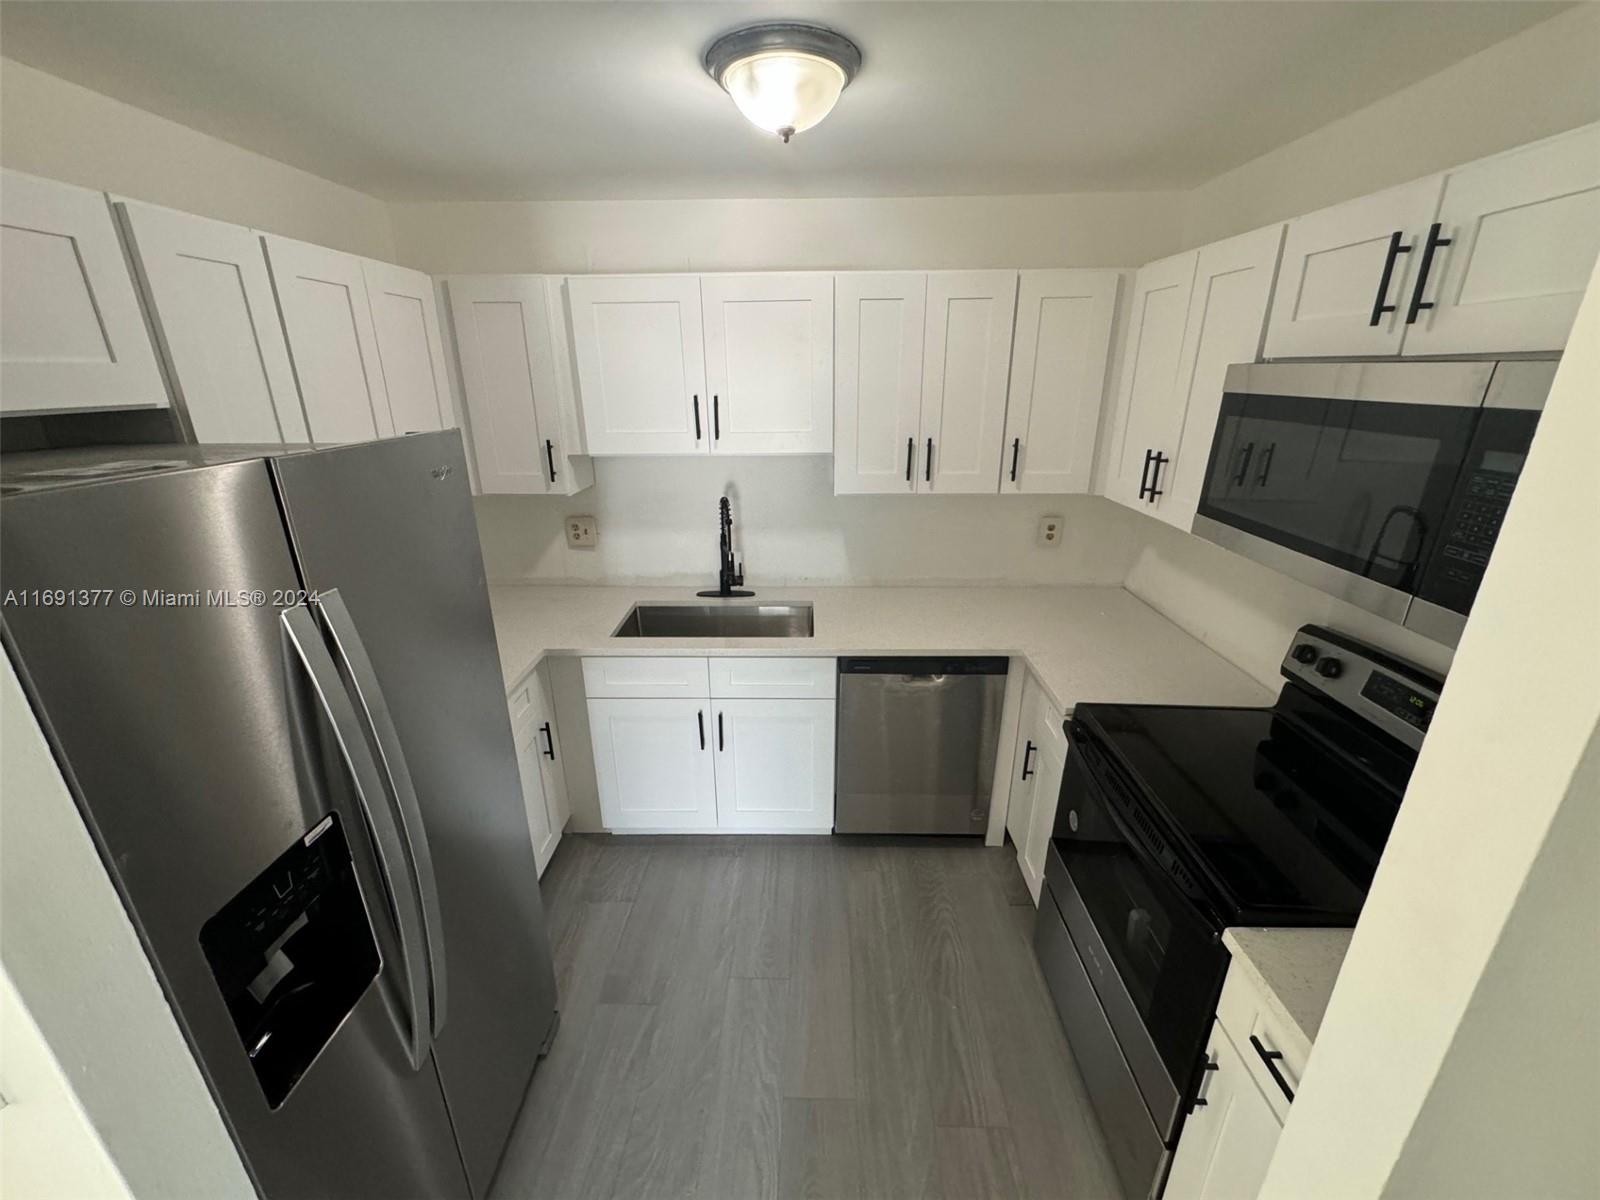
{"x":1266,"y":465}
{"x":927,"y":467}
{"x":720,"y":743}
{"x":911,"y":455}
{"x":1417,"y":302}
{"x":550,"y":457}
{"x":1156,"y":463}
{"x":1144,"y":475}
{"x":1245,"y":452}
{"x":697,"y":418}
{"x":1270,"y":1060}
{"x":700,"y":719}
{"x":1016,"y":449}
{"x":1027,"y":754}
{"x":716,"y":417}
{"x":1199,"y":1100}
{"x":549,"y":741}
{"x":1395,"y":251}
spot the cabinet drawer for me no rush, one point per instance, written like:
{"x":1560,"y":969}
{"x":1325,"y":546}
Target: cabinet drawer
{"x":773,"y":678}
{"x":646,"y":678}
{"x":1244,"y":1014}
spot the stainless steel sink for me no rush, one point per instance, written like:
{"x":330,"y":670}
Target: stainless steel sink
{"x":717,"y":621}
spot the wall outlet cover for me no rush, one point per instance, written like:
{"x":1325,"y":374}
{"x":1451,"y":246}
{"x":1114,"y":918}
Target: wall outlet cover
{"x":1050,"y":531}
{"x":582,"y":531}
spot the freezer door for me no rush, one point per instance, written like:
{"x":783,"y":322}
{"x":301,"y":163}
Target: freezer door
{"x":389,"y":527}
{"x":201,"y":754}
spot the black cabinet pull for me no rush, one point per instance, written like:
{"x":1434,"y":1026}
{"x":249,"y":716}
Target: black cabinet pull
{"x":716,"y":417}
{"x":720,"y":743}
{"x":911,"y":456}
{"x":1245,"y":452}
{"x":1266,"y":465}
{"x":549,"y":741}
{"x":1016,"y":449}
{"x":1417,"y":302}
{"x":697,"y":418}
{"x":1144,"y":475}
{"x":1270,"y":1060}
{"x":550,"y":457}
{"x":1199,"y":1100}
{"x":1395,"y":251}
{"x":927,"y":467}
{"x":700,"y":720}
{"x":1156,"y":463}
{"x":1027,"y":754}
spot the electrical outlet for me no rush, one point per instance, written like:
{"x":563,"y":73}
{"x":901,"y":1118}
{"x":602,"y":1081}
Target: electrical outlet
{"x":582,"y":531}
{"x":1049,"y":531}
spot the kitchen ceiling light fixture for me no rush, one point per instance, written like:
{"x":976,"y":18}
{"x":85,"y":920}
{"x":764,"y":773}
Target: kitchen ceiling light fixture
{"x":785,"y":76}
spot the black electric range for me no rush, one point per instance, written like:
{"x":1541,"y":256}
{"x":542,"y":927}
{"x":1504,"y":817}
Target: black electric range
{"x":1175,"y":822}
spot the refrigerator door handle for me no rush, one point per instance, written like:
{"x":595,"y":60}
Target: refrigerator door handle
{"x":305,"y":641}
{"x":400,"y":790}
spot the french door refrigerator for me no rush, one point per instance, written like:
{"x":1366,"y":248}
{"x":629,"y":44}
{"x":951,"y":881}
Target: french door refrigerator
{"x":273,"y":686}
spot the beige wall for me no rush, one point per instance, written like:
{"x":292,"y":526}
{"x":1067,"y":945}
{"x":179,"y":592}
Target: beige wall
{"x":572,"y":237}
{"x":1460,"y":1049}
{"x":1542,"y":81}
{"x":62,"y":131}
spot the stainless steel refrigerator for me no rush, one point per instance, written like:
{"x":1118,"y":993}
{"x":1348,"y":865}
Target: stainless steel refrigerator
{"x":273,"y":686}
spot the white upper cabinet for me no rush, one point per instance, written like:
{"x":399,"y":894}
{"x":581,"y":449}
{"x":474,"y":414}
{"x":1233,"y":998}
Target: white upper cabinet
{"x":769,"y":362}
{"x":1149,"y":416}
{"x":72,"y":336}
{"x":512,"y":339}
{"x":1058,"y":376}
{"x":1522,"y":232}
{"x":1226,"y":322}
{"x":405,"y":323}
{"x":641,"y":363}
{"x":214,"y":315}
{"x":878,"y":324}
{"x":966,"y":360}
{"x":322,"y":295}
{"x":1347,"y":271}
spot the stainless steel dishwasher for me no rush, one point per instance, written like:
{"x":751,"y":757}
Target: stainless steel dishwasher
{"x":917,"y":743}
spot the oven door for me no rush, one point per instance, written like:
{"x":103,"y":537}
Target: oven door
{"x":1150,"y":943}
{"x":1340,"y":474}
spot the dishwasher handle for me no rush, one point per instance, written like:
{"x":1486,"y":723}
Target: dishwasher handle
{"x":924,"y":666}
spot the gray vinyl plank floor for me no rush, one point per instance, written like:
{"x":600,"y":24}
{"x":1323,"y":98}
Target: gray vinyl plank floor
{"x":799,"y":1018}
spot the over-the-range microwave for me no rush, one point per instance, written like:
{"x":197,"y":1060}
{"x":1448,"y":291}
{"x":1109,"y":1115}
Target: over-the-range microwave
{"x":1383,"y":483}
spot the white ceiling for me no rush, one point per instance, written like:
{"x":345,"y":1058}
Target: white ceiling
{"x":466,"y":100}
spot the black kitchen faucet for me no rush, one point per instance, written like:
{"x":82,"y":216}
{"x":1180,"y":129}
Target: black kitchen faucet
{"x":729,"y":574}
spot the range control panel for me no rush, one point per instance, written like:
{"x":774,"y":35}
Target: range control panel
{"x":1396,"y":696}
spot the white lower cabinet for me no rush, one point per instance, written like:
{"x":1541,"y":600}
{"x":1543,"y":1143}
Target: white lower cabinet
{"x":539,"y":763}
{"x":1037,"y":766}
{"x":541,"y":829}
{"x":1228,"y":1140}
{"x":749,"y":749}
{"x":775,"y":765}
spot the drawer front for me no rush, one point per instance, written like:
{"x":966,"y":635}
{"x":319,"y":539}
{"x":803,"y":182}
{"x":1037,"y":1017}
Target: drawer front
{"x":1242,"y":1012}
{"x":646,"y":678}
{"x":773,"y":678}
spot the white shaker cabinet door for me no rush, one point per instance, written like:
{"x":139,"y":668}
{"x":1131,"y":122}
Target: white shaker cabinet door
{"x":1346,"y":274}
{"x":641,"y":363}
{"x":212,"y":308}
{"x":543,"y":831}
{"x":502,"y":326}
{"x":1524,"y":232}
{"x":322,"y":295}
{"x":405,"y":322}
{"x":552,"y":761}
{"x":72,"y":336}
{"x":966,"y":361}
{"x":774,"y":765}
{"x":653,"y":764}
{"x":1226,"y":321}
{"x":1058,"y":379}
{"x":1149,"y":412}
{"x":769,"y":362}
{"x":1228,"y":1141}
{"x":878,"y":330}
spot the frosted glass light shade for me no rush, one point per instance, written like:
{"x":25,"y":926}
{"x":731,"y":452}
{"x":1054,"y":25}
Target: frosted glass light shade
{"x":784,"y":91}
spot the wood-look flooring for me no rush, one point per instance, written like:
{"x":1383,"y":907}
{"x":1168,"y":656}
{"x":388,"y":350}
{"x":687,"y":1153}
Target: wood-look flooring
{"x":755,"y":1018}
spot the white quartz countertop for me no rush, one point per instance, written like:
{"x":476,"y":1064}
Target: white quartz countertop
{"x":1293,"y":969}
{"x":1083,"y":643}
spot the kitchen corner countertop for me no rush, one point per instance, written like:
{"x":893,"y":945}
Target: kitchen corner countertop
{"x":1293,"y":969}
{"x":1083,"y":643}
